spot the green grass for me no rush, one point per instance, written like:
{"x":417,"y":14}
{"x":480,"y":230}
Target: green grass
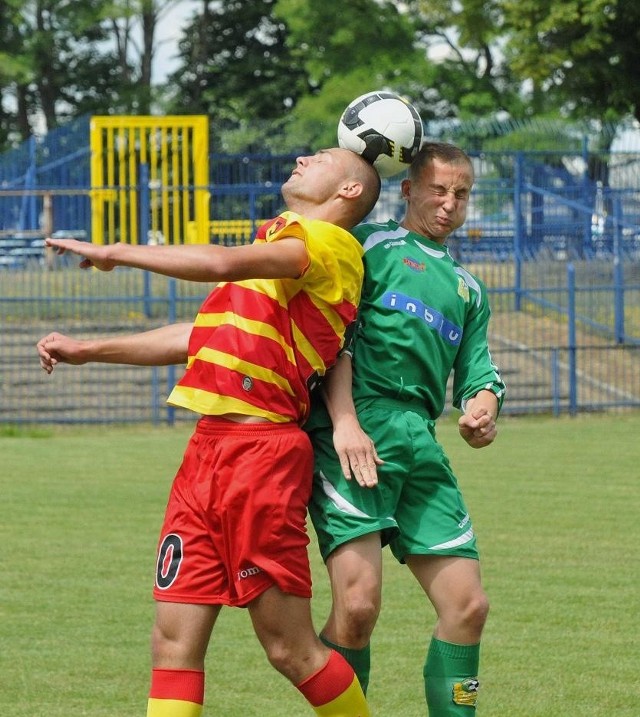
{"x":554,"y":502}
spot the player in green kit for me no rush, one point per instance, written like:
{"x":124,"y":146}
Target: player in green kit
{"x":381,"y":477}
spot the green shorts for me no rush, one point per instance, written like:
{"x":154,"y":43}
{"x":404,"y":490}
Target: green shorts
{"x":417,"y":505}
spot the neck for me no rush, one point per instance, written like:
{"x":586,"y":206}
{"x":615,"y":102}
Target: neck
{"x":410,"y":226}
{"x":321,"y":212}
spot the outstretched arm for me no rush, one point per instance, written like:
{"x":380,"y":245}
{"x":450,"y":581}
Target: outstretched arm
{"x":285,"y":258}
{"x":477,"y":425}
{"x":158,"y":347}
{"x":356,"y":451}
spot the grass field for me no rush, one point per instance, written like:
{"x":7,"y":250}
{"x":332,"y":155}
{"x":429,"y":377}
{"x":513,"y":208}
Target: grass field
{"x":554,"y":501}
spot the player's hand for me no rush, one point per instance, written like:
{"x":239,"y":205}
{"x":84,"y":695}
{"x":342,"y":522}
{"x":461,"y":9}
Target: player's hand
{"x":478,"y":427}
{"x":92,"y":254}
{"x":55,"y":348}
{"x":357,"y":453}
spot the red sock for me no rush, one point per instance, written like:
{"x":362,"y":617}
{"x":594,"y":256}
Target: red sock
{"x":187,"y":685}
{"x":329,"y":681}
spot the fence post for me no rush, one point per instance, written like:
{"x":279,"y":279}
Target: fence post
{"x":145,"y":205}
{"x":518,"y":234}
{"x":171,"y":370}
{"x":587,"y":219}
{"x":618,"y":272}
{"x":29,"y":210}
{"x":571,"y":318}
{"x":555,"y":381}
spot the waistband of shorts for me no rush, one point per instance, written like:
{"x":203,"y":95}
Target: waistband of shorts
{"x":215,"y":424}
{"x":394,"y":404}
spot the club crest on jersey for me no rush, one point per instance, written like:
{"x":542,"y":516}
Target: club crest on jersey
{"x":247,"y":383}
{"x":466,"y":692}
{"x":278,"y":224}
{"x":463,"y":289}
{"x":414,"y":265}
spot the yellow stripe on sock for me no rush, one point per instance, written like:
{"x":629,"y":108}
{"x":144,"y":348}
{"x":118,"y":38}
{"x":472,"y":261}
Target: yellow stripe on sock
{"x":172,"y":708}
{"x":351,"y":703}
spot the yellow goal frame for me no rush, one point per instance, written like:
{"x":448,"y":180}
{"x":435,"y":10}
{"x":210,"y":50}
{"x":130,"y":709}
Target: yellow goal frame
{"x":171,"y":153}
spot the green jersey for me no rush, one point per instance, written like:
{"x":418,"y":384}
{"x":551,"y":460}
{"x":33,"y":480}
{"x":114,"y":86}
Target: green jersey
{"x":421,"y":316}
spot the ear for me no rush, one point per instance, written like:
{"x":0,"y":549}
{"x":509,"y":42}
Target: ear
{"x":351,"y":189}
{"x":405,"y":188}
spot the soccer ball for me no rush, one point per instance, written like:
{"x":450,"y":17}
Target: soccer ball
{"x":384,"y":128}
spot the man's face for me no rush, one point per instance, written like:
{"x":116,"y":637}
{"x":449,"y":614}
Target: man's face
{"x":315,"y":178}
{"x":437,"y":201}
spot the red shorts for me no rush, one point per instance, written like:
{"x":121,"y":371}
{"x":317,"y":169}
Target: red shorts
{"x":235,"y":522}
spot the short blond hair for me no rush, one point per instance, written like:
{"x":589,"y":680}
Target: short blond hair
{"x":442,"y":151}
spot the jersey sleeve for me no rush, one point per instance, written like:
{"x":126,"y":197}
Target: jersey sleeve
{"x":334,"y":269}
{"x":285,"y":225}
{"x":474,"y":369}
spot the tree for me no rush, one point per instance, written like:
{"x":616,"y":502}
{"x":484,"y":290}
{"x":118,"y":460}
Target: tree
{"x":131,"y":26}
{"x":347,"y":49}
{"x":14,"y":74}
{"x":581,"y":56}
{"x":53,"y":59}
{"x":61,"y":59}
{"x":235,"y":65}
{"x":471,"y":79}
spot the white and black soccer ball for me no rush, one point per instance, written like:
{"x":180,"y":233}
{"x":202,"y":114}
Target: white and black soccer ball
{"x":384,"y":128}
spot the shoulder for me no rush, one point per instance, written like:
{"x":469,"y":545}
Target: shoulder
{"x":372,"y":234}
{"x":287,"y":224}
{"x":367,"y":228}
{"x":475,"y":285}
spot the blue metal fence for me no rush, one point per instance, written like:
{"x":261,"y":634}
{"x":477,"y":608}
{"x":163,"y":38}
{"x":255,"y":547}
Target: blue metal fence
{"x":576,"y":202}
{"x":556,"y":242}
{"x":566,"y":350}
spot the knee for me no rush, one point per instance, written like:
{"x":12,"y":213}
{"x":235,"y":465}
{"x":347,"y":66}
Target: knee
{"x":174,"y":650}
{"x":296,"y":661}
{"x":476,"y":611}
{"x":181,"y":634}
{"x":363,"y":612}
{"x":357,"y":617}
{"x":281,"y":658}
{"x":161,"y":645}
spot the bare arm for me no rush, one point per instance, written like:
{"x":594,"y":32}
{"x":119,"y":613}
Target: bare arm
{"x":285,"y":258}
{"x":356,"y":451}
{"x":158,"y":347}
{"x":478,"y":423}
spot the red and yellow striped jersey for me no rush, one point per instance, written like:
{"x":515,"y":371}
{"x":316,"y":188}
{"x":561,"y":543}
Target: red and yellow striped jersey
{"x":258,"y":346}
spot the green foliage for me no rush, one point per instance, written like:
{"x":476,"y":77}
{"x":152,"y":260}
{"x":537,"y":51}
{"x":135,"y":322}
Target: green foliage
{"x":236,"y":66}
{"x":549,"y":502}
{"x":539,"y":137}
{"x":333,"y":38}
{"x":314,"y":120}
{"x":68,"y":59}
{"x":348,"y":49}
{"x":274,"y":74}
{"x":317,"y":83}
{"x":471,"y":80}
{"x":581,"y":55}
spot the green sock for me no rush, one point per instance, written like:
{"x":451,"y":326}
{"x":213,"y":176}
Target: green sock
{"x":360,"y":661}
{"x":451,"y":679}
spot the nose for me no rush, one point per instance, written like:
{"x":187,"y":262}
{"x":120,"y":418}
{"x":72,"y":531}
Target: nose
{"x":449,"y":201}
{"x":302,"y":161}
